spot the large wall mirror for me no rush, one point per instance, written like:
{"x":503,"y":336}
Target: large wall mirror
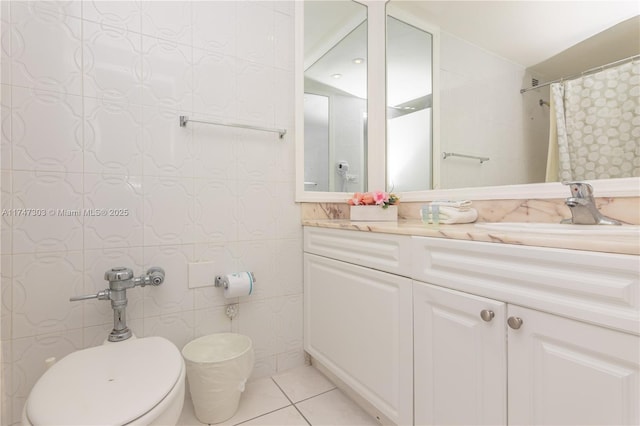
{"x":473,"y":133}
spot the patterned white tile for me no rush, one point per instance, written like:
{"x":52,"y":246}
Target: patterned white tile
{"x":263,"y":368}
{"x":260,"y":397}
{"x":112,"y":63}
{"x":6,"y":387}
{"x":216,"y":155}
{"x":226,"y":188}
{"x":121,"y":198}
{"x":257,"y":156}
{"x":174,"y":294}
{"x":46,"y":49}
{"x":289,"y":318}
{"x":56,"y":9}
{"x":283,"y":40}
{"x":255,"y":33}
{"x":169,"y":20}
{"x":59,"y":197}
{"x":6,"y":298}
{"x":46,"y":131}
{"x":95,"y":335}
{"x":334,"y":408}
{"x":177,"y":327}
{"x":168,"y":73}
{"x":113,"y":137}
{"x":284,"y":6}
{"x":258,"y":320}
{"x":5,"y":43}
{"x":5,"y":130}
{"x":284,"y":104}
{"x":303,"y":383}
{"x":288,"y":416}
{"x":214,"y":24}
{"x":6,"y":221}
{"x":288,"y":266}
{"x":292,"y":359}
{"x":257,"y":211}
{"x":288,"y":219}
{"x":211,"y":320}
{"x":214,"y":96}
{"x":96,"y":263}
{"x":42,"y":285}
{"x":29,"y":355}
{"x":168,"y":210}
{"x":216,"y":211}
{"x":256,"y":93}
{"x":121,"y":14}
{"x":168,"y":148}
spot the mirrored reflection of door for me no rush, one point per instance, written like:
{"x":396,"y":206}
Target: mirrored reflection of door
{"x":335,"y":70}
{"x":409,"y":107}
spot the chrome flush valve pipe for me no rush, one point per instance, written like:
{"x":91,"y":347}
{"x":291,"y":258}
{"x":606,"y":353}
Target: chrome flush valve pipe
{"x":120,"y":279}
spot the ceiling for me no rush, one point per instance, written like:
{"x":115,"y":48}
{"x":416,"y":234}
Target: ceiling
{"x":525,"y":32}
{"x":551,"y":38}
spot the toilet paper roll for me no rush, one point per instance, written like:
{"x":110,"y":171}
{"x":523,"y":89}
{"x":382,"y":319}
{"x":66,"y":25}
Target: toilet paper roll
{"x":239,"y":284}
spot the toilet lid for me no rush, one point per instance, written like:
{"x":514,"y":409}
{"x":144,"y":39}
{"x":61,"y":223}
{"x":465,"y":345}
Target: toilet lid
{"x":111,"y":384}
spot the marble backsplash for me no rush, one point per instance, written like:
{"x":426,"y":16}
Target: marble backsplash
{"x":624,"y":209}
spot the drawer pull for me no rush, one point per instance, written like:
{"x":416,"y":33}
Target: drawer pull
{"x":487,"y":315}
{"x":515,"y":322}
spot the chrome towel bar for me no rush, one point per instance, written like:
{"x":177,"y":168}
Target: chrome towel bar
{"x":453,"y":154}
{"x":185,"y":119}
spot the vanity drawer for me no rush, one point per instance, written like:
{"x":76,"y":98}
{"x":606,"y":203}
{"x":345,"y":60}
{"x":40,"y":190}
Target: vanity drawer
{"x":384,"y":252}
{"x":599,"y":288}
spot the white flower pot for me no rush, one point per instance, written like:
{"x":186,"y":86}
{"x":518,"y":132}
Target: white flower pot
{"x":374,"y":213}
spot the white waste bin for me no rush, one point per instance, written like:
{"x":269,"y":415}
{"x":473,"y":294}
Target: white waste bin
{"x":218,"y":366}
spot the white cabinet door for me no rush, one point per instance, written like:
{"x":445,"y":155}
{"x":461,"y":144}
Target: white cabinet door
{"x":460,"y":358}
{"x":563,"y":371}
{"x":358,"y":324}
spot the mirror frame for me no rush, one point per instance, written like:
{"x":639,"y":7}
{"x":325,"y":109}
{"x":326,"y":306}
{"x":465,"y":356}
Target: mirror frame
{"x":376,"y":105}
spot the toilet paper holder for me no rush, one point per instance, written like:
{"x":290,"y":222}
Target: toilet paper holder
{"x":223,"y":281}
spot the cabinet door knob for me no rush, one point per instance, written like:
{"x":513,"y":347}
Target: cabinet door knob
{"x":515,"y":322}
{"x":487,"y":315}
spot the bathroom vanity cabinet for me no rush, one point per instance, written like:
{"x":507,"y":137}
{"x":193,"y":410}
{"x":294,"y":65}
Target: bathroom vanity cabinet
{"x":559,"y":371}
{"x":556,"y":328}
{"x":439,"y":331}
{"x":460,"y":359}
{"x":357,"y":323}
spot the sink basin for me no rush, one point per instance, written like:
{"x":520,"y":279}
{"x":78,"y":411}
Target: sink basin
{"x":563,"y":229}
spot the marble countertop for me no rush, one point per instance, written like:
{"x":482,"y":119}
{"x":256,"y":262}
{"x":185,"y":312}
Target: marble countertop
{"x":601,"y":243}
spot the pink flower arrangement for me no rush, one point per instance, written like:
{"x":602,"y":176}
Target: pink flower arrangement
{"x":378,"y":198}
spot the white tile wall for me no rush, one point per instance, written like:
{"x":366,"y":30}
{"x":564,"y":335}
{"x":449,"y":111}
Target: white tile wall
{"x":474,"y":85}
{"x":46,"y":48}
{"x":91,"y":94}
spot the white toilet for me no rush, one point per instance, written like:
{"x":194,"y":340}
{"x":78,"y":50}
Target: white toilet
{"x":137,"y":381}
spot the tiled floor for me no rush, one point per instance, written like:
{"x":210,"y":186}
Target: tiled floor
{"x":298,"y":397}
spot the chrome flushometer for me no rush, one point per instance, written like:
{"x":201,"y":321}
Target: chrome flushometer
{"x":120,"y":279}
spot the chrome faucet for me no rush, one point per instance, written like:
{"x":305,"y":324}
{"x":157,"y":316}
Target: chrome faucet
{"x":120,"y":279}
{"x":583,"y":206}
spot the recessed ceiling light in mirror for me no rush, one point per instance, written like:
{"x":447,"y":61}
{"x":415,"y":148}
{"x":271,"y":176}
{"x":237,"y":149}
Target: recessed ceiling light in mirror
{"x":336,"y":76}
{"x":358,"y":60}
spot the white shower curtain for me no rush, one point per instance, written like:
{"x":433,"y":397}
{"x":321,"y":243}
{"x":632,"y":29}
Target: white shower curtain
{"x":595,"y":125}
